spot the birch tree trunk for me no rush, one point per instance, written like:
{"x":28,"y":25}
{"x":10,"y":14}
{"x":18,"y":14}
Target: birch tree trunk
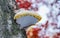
{"x":6,"y":14}
{"x":8,"y":27}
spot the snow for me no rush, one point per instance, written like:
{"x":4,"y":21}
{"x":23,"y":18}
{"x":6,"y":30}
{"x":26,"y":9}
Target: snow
{"x":48,"y":13}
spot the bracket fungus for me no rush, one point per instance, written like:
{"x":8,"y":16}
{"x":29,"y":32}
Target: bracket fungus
{"x":26,"y":19}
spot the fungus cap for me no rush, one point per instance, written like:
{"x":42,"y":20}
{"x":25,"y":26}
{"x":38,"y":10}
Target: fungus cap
{"x":27,"y":18}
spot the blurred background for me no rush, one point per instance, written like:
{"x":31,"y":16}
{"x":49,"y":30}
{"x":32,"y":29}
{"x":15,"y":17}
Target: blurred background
{"x":49,"y":10}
